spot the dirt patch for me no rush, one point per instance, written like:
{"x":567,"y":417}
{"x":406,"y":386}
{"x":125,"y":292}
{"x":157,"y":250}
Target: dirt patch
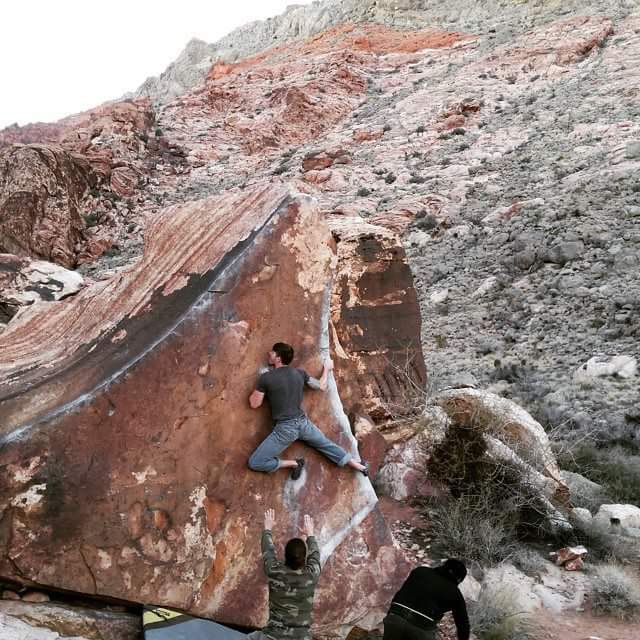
{"x":581,"y":626}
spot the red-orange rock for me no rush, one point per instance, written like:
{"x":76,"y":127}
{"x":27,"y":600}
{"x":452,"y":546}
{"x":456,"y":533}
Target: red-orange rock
{"x":454,"y":121}
{"x":40,"y":202}
{"x":365,"y":135}
{"x":317,"y":177}
{"x":316,"y":161}
{"x":124,"y":181}
{"x":125,"y":469}
{"x":376,"y":321}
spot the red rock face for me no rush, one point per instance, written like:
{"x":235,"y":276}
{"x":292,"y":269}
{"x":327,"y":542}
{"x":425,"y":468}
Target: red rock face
{"x":125,"y":460}
{"x":376,"y":319}
{"x":40,"y":202}
{"x":86,"y":166}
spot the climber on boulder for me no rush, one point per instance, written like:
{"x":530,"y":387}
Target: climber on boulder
{"x":283,"y":386}
{"x":426,"y":595}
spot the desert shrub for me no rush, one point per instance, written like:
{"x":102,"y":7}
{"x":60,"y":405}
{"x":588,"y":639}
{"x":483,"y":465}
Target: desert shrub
{"x":363,"y":192}
{"x":602,"y":544}
{"x":491,"y":505}
{"x":497,"y":616}
{"x":463,"y":528}
{"x":427,"y":222}
{"x":390,"y":178}
{"x":615,"y":468}
{"x":280,"y":169}
{"x":91,"y":219}
{"x":615,"y":591}
{"x":530,"y":562}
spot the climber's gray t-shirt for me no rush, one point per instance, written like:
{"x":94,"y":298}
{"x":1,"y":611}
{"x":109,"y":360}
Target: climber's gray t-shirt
{"x":284,"y":388}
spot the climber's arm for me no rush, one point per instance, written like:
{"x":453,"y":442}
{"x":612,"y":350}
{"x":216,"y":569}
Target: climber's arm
{"x":256,"y":399}
{"x":321,"y":384}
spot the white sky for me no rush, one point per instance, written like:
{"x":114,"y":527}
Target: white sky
{"x":58,"y":57}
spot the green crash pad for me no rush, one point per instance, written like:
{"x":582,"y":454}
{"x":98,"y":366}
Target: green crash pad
{"x":166,"y":624}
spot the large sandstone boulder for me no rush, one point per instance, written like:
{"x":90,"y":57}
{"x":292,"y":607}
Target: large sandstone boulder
{"x":615,"y":516}
{"x":511,"y":439}
{"x":126,"y":431}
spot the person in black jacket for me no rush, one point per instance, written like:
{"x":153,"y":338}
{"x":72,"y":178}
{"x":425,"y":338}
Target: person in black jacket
{"x":426,"y":595}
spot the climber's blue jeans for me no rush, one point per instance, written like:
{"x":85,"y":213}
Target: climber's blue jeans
{"x":286,"y":432}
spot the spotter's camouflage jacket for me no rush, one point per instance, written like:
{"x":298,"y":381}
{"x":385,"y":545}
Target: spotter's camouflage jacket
{"x":290,"y":591}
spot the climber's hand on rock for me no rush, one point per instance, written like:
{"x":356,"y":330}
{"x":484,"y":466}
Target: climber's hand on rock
{"x":269,"y":519}
{"x":307,"y":527}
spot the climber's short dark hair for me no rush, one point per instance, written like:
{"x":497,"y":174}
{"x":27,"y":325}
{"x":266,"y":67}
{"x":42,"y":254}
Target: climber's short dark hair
{"x":295,"y":553}
{"x":284,"y":351}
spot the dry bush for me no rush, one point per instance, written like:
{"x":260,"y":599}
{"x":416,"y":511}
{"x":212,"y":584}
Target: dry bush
{"x":530,"y":562}
{"x":616,"y":468}
{"x":464,"y":528}
{"x":615,"y":591}
{"x":491,"y":505}
{"x":603,"y":545}
{"x":497,"y":616}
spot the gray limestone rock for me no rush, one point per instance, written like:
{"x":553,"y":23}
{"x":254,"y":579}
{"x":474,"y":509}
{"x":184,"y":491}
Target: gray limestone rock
{"x":632,"y":150}
{"x":564,"y":252}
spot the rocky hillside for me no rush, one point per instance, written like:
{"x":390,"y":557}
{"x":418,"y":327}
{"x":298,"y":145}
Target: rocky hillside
{"x":300,"y":22}
{"x":516,"y":143}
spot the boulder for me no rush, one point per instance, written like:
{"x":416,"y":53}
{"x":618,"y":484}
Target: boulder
{"x":600,"y":366}
{"x":404,"y":473}
{"x":319,"y":160}
{"x":581,"y":516}
{"x":125,"y":457}
{"x":553,"y":589}
{"x":26,"y":621}
{"x":42,"y":190}
{"x":615,"y":516}
{"x":376,"y":322}
{"x":509,"y":424}
{"x":583,"y":491}
{"x":571,"y":558}
{"x":24,"y":281}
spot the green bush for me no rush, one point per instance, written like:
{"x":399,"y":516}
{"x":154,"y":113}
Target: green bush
{"x":615,"y":591}
{"x":497,"y":616}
